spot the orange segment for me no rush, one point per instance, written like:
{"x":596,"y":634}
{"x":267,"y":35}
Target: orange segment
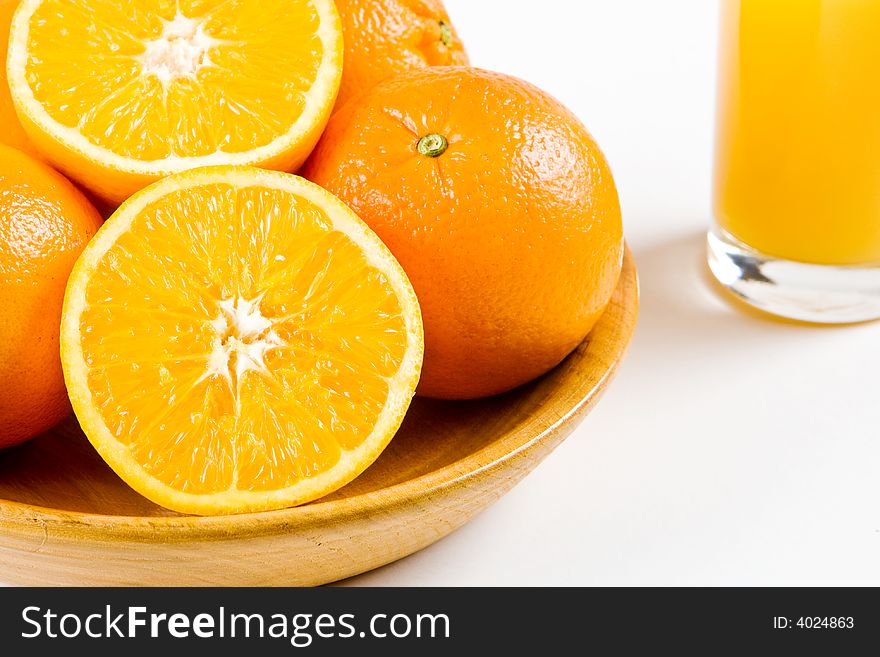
{"x":118,"y":95}
{"x":238,"y":340}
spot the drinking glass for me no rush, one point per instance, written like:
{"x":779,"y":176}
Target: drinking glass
{"x":797,"y":169}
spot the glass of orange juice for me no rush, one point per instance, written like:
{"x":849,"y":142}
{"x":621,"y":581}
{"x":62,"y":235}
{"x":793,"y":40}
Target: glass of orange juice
{"x":797,"y":169}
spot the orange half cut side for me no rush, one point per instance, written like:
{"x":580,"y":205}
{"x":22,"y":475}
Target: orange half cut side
{"x":237,"y":340}
{"x":118,"y":95}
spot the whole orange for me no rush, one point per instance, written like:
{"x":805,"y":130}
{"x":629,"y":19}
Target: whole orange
{"x":387,"y":37}
{"x":45,"y":222}
{"x":500,"y":207}
{"x":11,"y":132}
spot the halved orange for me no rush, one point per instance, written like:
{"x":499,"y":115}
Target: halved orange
{"x":118,"y":95}
{"x":237,"y":340}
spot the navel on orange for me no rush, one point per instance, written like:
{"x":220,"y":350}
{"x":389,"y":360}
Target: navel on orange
{"x":238,"y":340}
{"x":120,"y":95}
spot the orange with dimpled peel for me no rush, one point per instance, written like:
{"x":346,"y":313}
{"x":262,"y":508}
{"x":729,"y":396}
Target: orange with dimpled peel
{"x":45,"y":223}
{"x":12,"y":133}
{"x":499,"y":205}
{"x":386,"y":37}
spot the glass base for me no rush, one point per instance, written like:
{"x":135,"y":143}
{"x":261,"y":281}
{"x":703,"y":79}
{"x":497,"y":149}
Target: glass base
{"x":825,"y":294}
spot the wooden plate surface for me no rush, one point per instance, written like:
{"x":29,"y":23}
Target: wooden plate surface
{"x":67,"y":519}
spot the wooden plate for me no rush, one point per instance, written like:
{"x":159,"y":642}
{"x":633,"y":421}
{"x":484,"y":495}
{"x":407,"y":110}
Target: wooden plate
{"x":66,"y":519}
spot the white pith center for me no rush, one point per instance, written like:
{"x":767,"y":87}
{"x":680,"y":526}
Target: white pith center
{"x":180,"y":51}
{"x":244,"y":337}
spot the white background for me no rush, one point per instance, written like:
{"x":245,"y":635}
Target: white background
{"x":731,"y":449}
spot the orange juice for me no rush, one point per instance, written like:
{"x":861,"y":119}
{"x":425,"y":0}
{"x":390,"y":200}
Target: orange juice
{"x":798,"y":145}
